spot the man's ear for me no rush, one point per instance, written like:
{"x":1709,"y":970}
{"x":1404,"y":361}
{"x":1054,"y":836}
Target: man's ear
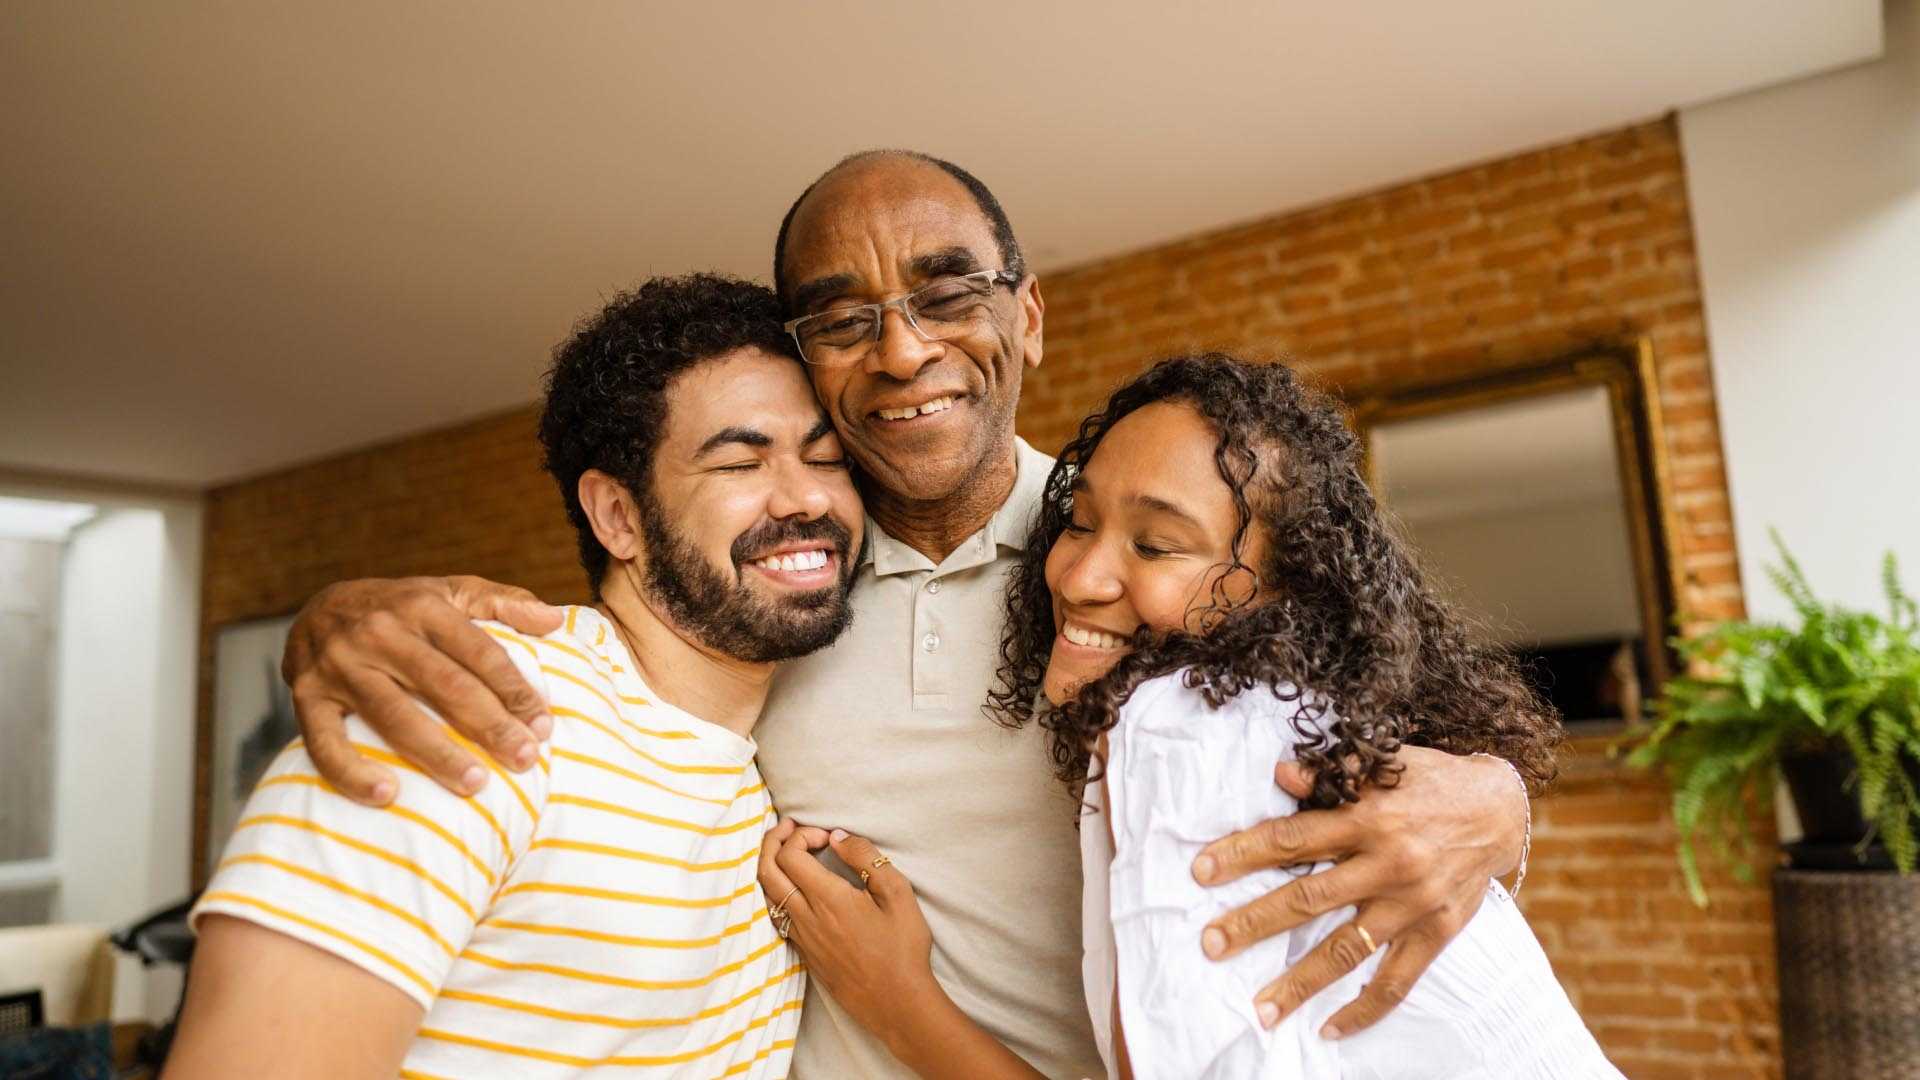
{"x":1036,"y":311}
{"x":612,"y":512}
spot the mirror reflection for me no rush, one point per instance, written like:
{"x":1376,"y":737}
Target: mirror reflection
{"x":1519,"y":508}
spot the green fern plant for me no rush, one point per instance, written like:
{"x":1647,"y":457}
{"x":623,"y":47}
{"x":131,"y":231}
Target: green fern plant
{"x":1757,"y":691}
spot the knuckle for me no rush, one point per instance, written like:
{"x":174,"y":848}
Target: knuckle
{"x":1388,"y":991}
{"x":1405,"y":855}
{"x":444,"y":759}
{"x":1286,"y":994}
{"x":1308,"y":896}
{"x":382,"y":625}
{"x":502,"y":732}
{"x":333,"y":654}
{"x":1431,"y":895}
{"x":1345,"y":952}
{"x":1282,"y":836}
{"x":522,"y":699}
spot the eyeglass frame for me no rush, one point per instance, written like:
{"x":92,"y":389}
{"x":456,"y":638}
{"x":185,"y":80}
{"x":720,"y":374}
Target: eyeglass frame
{"x":1009,"y":278}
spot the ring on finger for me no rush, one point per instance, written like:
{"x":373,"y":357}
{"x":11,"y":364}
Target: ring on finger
{"x":780,"y":908}
{"x":1365,"y":938}
{"x":783,"y":924}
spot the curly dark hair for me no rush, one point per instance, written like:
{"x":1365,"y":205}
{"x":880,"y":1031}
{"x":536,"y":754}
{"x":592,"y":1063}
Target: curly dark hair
{"x":606,"y":390}
{"x":1011,"y":258}
{"x":1356,"y":634}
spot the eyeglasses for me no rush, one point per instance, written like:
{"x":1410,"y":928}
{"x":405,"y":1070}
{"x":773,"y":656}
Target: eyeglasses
{"x":945,"y":309}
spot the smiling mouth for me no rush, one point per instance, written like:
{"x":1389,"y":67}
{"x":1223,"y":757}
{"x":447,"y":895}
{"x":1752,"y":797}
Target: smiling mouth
{"x":793,"y":562}
{"x":937,"y":405}
{"x":1092,"y":639}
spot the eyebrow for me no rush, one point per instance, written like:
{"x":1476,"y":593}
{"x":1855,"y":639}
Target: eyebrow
{"x":1161,"y":506}
{"x":1150,"y":503}
{"x":746,"y":436}
{"x":733,"y":436}
{"x":947,"y":262}
{"x":809,"y":294}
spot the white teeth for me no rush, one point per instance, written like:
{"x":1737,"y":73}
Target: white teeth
{"x":939,"y":404}
{"x":793,"y":561}
{"x":1097,"y":639}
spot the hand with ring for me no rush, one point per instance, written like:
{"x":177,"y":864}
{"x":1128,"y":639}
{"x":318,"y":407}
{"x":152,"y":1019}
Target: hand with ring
{"x":870,"y":948}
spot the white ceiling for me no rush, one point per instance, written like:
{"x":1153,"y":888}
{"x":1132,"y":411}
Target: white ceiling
{"x":242,"y":235}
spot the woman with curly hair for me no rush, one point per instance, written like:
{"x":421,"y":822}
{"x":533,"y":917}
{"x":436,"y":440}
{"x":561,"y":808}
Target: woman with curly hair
{"x":1210,"y":586}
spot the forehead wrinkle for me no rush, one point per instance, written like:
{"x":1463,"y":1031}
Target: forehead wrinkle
{"x":881,"y":226}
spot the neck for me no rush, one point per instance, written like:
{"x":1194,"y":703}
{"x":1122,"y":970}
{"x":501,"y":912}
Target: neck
{"x":936,"y":527}
{"x":711,"y":685}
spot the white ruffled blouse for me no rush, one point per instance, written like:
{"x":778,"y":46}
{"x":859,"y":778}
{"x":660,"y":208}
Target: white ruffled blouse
{"x":1179,"y":775}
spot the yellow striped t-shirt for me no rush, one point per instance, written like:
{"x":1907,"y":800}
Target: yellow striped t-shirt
{"x":597,"y":912}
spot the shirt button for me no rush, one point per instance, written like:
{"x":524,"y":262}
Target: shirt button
{"x":930,"y":642}
{"x":933,"y":587}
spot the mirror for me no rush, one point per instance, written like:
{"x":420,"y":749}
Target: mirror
{"x":1533,"y":497}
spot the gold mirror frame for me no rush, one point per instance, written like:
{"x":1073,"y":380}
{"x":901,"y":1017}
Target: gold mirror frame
{"x":1627,"y":374}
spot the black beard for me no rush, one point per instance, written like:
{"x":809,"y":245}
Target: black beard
{"x":728,"y":616}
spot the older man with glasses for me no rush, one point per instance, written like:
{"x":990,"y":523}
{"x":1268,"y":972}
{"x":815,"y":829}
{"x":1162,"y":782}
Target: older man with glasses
{"x":912,"y":305}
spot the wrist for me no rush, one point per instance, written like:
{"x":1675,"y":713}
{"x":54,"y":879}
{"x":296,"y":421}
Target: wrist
{"x":922,"y":1020}
{"x":1516,"y":817}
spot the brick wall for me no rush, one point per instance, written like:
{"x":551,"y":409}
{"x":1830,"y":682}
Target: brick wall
{"x":1493,"y":266}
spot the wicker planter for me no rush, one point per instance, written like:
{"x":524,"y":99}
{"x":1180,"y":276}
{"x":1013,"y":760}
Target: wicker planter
{"x":1849,"y":973}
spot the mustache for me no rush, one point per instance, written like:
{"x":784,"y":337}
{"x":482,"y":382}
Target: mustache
{"x":771,"y":534}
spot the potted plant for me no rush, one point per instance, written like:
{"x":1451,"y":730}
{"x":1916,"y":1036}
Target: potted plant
{"x":1832,"y":707}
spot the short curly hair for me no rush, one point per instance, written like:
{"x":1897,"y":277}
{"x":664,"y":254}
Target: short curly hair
{"x":606,"y":390}
{"x":1361,"y":638}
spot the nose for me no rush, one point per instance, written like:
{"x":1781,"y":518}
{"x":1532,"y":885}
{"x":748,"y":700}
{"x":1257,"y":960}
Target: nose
{"x":1090,"y":578}
{"x":799,"y":491}
{"x":901,"y":352}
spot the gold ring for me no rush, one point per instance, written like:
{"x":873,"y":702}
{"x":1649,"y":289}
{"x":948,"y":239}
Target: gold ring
{"x":881,"y":861}
{"x":782,"y":924}
{"x":1365,"y":938}
{"x":780,"y":908}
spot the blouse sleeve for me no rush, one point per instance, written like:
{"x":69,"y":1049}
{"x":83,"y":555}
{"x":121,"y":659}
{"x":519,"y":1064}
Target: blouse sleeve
{"x":1180,"y":775}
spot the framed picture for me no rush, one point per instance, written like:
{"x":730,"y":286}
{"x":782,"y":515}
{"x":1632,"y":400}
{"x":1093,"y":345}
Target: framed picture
{"x":252,"y":721}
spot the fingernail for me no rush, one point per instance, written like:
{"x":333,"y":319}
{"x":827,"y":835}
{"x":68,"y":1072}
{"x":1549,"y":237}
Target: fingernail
{"x":1204,"y":868}
{"x":383,"y":792}
{"x":839,"y":835}
{"x":523,"y":757}
{"x":1269,"y":1013}
{"x":1330,"y":1033}
{"x":541,"y":726}
{"x":1213,"y":942}
{"x":473,"y":778}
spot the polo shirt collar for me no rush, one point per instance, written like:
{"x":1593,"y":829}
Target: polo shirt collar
{"x":1007,"y":528}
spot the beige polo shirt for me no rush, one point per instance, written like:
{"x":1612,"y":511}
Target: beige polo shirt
{"x":883,"y":735}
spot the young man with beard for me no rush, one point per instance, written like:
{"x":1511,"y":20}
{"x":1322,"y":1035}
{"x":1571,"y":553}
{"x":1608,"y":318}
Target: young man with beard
{"x":922,"y":319}
{"x":599,"y":909}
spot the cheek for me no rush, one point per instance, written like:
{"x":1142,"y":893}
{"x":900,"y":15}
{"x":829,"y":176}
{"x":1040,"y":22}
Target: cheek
{"x":1056,"y":564}
{"x":830,"y":385}
{"x":1163,"y":596}
{"x":848,"y":510}
{"x":722,"y":522}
